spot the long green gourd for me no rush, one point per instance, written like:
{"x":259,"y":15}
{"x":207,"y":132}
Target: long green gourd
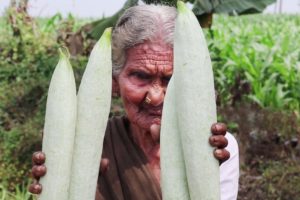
{"x":195,"y":111}
{"x":173,"y":179}
{"x":59,"y":131}
{"x":94,"y":97}
{"x":195,"y":101}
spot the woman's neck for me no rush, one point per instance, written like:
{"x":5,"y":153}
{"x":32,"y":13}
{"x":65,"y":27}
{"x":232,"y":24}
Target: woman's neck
{"x":144,"y":139}
{"x":149,"y":143}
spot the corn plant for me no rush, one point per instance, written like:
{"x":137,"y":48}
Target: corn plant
{"x":261,"y":51}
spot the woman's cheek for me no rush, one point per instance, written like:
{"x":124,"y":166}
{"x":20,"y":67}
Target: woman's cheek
{"x":134,"y":94}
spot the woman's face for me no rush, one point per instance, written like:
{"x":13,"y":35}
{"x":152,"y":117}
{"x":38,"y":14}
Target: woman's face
{"x":146,"y":73}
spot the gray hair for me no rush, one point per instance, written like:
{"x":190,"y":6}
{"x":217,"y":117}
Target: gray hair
{"x":138,"y":24}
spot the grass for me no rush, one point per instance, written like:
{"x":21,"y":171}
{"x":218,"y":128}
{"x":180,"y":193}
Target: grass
{"x":20,"y":193}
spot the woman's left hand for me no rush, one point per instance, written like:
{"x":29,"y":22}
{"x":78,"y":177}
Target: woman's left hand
{"x":219,"y":141}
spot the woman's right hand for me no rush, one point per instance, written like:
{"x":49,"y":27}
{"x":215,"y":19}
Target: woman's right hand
{"x":38,"y":170}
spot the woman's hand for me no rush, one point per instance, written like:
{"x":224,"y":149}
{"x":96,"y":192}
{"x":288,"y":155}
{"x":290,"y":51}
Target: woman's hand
{"x":219,"y":141}
{"x":38,"y":170}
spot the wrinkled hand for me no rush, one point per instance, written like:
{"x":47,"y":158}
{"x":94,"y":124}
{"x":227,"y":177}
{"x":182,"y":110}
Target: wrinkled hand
{"x":38,"y":170}
{"x":219,"y":141}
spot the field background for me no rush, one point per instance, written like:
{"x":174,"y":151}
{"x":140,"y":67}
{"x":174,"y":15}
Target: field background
{"x":256,"y":60}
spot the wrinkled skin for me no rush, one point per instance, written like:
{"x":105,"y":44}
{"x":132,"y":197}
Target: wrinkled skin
{"x":146,"y":74}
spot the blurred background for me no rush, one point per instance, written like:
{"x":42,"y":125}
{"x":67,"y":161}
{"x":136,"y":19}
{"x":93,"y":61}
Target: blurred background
{"x":255,"y":50}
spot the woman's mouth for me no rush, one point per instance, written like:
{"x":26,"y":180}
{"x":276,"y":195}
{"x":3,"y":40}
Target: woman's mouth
{"x":154,"y":110}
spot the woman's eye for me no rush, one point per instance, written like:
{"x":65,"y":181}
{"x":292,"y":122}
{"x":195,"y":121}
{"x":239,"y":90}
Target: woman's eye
{"x":166,"y":79}
{"x":141,"y":75}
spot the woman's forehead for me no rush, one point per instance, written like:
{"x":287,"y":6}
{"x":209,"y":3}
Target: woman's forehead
{"x":153,"y":46}
{"x":152,"y":57}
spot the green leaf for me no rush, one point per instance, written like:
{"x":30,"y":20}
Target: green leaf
{"x":230,"y":6}
{"x":243,"y":7}
{"x":100,"y":25}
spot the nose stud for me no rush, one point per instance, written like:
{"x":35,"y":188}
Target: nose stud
{"x":147,"y":100}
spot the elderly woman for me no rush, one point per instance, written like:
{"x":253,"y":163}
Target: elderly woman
{"x":142,"y":52}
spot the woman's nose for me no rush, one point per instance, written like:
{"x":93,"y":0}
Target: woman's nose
{"x":156,"y":95}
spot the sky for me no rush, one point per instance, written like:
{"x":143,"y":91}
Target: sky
{"x":98,"y":8}
{"x":79,"y":8}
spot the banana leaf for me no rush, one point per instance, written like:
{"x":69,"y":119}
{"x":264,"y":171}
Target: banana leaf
{"x":230,"y":6}
{"x":221,"y":6}
{"x":243,"y":7}
{"x":100,"y":25}
{"x":203,"y":9}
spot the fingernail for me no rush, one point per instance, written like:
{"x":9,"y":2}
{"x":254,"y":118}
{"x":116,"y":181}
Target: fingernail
{"x":218,"y":152}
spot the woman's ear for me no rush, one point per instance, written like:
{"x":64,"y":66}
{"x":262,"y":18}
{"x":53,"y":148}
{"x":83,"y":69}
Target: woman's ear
{"x":115,"y":87}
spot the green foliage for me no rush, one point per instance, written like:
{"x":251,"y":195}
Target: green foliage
{"x":100,"y":25}
{"x":200,"y":7}
{"x":25,"y":58}
{"x":20,"y":193}
{"x":28,"y":55}
{"x":256,"y":60}
{"x":220,"y":6}
{"x":242,"y":7}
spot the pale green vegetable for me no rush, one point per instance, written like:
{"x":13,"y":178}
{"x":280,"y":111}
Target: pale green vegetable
{"x":94,"y":97}
{"x":173,"y":179}
{"x":59,"y":131}
{"x":195,"y":112}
